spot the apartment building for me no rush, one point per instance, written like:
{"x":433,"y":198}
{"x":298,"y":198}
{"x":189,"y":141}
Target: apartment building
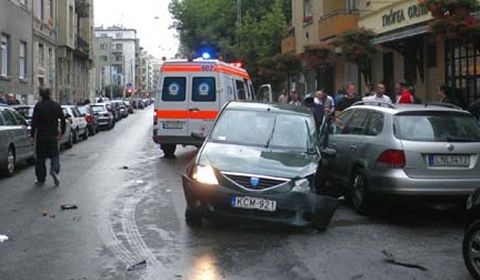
{"x":16,"y":49}
{"x":123,"y":54}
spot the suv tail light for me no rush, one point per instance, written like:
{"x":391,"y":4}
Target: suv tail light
{"x":89,"y":118}
{"x":155,"y":119}
{"x":391,"y":159}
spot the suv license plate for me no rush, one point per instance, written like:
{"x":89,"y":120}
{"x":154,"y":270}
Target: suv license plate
{"x":248,"y":202}
{"x":449,"y":160}
{"x":173,"y":125}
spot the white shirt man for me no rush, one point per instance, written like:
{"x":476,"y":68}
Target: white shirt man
{"x":378,"y":97}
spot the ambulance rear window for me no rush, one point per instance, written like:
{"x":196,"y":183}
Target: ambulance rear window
{"x":203,"y":89}
{"x":174,"y":89}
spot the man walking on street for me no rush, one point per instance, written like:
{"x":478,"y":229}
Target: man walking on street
{"x":406,"y":96}
{"x":45,"y":135}
{"x":348,"y":100}
{"x":295,"y":99}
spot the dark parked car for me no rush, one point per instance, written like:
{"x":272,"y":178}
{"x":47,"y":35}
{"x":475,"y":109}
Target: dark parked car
{"x":15,"y":142}
{"x":138,"y":104}
{"x":129,"y":106}
{"x":105,"y":115}
{"x":471,"y":238}
{"x":264,"y":170}
{"x":91,"y":117}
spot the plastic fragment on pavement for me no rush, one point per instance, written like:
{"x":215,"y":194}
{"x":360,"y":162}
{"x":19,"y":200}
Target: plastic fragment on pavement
{"x":69,"y":206}
{"x":3,"y":238}
{"x":138,"y":265}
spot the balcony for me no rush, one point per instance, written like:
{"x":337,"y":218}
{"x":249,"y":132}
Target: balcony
{"x":334,"y":23}
{"x":82,"y":47}
{"x":289,"y":42}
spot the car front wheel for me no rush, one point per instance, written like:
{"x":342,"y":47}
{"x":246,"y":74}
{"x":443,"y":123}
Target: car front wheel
{"x":471,"y":249}
{"x":193,"y":219}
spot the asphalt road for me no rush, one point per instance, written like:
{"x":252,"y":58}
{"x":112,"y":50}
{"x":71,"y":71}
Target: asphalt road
{"x":130,"y":208}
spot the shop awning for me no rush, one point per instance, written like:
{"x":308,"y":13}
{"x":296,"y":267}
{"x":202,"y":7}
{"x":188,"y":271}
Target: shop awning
{"x":397,"y":35}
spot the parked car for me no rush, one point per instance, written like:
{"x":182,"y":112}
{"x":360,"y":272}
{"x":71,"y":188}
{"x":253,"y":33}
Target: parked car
{"x":91,"y":117}
{"x":77,"y":121}
{"x":404,"y":150}
{"x":264,"y":170}
{"x":105,"y":115}
{"x":27,"y":112}
{"x":471,"y":237}
{"x":138,"y":104}
{"x":122,"y":107}
{"x":15,"y":144}
{"x":129,"y":106}
{"x":114,"y":109}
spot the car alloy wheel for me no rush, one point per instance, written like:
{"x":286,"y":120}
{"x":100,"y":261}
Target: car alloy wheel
{"x":471,"y":249}
{"x":10,"y":167}
{"x":360,"y":195}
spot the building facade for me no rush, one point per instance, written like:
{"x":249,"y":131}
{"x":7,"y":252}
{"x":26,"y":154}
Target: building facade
{"x":16,"y":56}
{"x":123,"y":55}
{"x":104,"y":78}
{"x":44,"y":44}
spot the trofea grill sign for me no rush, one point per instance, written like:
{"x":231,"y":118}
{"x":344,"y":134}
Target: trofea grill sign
{"x":399,"y":16}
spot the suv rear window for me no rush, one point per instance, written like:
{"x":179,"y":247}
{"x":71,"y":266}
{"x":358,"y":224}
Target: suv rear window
{"x":440,"y":126}
{"x":174,"y":89}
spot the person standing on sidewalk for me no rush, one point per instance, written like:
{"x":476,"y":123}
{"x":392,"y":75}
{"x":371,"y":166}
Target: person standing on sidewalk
{"x":44,"y":133}
{"x":348,"y":100}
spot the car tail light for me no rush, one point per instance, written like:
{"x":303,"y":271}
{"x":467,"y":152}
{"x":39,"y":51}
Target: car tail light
{"x":88,"y":118}
{"x":155,"y":119}
{"x":391,"y":159}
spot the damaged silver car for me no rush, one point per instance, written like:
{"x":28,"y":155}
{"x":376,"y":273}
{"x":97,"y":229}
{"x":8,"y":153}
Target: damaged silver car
{"x":259,"y":163}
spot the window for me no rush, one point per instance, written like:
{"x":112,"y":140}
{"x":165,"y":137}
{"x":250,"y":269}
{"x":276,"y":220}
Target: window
{"x":103,"y":35}
{"x":1,"y":119}
{"x":339,"y":123}
{"x":203,"y":89}
{"x":20,"y":120}
{"x":103,"y":46}
{"x":51,"y":61}
{"x":358,"y":123}
{"x":22,"y":60}
{"x":241,"y":94}
{"x":23,"y":2}
{"x":9,"y":118}
{"x":307,"y":9}
{"x":103,"y":58}
{"x":375,"y":126}
{"x":174,"y":89}
{"x":4,"y":55}
{"x":118,"y":46}
{"x":41,"y":56}
{"x":40,"y":9}
{"x":49,"y":11}
{"x":119,"y":35}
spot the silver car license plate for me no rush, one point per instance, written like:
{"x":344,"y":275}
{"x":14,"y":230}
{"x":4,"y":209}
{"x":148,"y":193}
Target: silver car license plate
{"x":173,"y":125}
{"x":449,"y":160}
{"x":248,"y":202}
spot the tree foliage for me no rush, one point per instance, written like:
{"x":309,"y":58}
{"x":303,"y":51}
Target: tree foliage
{"x":213,"y":24}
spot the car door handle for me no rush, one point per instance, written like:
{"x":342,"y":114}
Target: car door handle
{"x":193,"y":109}
{"x":353,"y":147}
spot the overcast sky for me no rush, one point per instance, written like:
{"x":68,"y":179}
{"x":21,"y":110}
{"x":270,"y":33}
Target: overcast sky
{"x":154,"y":34}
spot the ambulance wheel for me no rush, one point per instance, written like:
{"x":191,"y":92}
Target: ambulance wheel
{"x":169,"y":150}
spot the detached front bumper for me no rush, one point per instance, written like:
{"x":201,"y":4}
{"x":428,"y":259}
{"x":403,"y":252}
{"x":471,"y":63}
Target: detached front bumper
{"x":292,"y":208}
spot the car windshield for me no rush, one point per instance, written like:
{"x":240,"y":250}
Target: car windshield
{"x":83,"y":110}
{"x":437,"y":127}
{"x":266,"y":129}
{"x":97,"y":108}
{"x":26,"y":112}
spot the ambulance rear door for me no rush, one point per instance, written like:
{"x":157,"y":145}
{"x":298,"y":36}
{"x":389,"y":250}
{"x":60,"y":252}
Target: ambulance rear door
{"x":204,"y":101}
{"x":172,"y":111}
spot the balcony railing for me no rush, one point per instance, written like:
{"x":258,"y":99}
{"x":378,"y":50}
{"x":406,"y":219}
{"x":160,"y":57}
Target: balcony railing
{"x":82,"y":45}
{"x":335,"y":22}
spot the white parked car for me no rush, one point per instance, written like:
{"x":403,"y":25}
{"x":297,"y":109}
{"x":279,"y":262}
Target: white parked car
{"x":77,"y":121}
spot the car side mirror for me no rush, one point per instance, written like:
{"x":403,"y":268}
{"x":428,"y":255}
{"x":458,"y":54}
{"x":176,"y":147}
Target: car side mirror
{"x":198,"y":136}
{"x":328,"y":152}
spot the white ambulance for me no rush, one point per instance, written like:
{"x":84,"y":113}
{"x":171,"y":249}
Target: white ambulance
{"x":189,"y":96}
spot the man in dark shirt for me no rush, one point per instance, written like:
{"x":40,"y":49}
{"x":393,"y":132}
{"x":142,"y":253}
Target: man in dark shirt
{"x":45,"y":135}
{"x":348,"y":100}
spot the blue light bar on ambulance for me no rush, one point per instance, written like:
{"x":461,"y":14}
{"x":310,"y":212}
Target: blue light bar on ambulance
{"x":206,"y":55}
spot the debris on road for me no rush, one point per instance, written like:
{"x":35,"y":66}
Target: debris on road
{"x":138,"y":265}
{"x":124,"y":167}
{"x":52,"y":216}
{"x":178,"y":276}
{"x":389,"y":258}
{"x":76,"y":218}
{"x":45,"y":212}
{"x":69,"y":206}
{"x":3,"y":238}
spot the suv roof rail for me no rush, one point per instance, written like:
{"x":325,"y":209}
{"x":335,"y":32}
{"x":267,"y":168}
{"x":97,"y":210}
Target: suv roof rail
{"x":374,"y":103}
{"x":440,"y":104}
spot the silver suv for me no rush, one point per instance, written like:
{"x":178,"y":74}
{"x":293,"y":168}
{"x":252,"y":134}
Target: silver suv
{"x":414,"y":150}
